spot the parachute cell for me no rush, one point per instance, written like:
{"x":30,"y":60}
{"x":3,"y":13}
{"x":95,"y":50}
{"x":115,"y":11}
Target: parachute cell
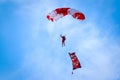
{"x":61,"y":12}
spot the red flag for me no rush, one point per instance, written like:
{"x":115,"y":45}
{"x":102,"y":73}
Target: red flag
{"x":75,"y":62}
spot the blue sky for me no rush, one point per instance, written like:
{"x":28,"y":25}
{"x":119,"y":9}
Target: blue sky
{"x":30,"y":46}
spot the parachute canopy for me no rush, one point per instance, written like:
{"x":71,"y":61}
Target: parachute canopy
{"x":61,"y":12}
{"x":75,"y":62}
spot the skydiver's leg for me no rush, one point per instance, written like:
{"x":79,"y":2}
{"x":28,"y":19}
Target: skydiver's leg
{"x":64,"y":43}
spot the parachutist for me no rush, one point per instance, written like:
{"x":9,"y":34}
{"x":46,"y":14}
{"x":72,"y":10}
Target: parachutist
{"x":63,"y":40}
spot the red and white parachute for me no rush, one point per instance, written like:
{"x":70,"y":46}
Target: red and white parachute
{"x":61,"y":12}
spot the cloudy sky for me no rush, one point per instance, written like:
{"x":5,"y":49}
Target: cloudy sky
{"x":30,"y":45}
